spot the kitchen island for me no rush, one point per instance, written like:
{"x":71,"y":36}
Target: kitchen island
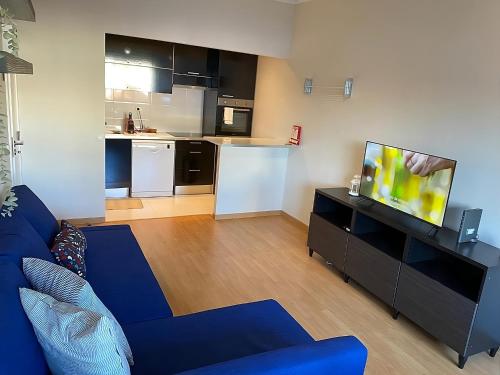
{"x":249,"y":174}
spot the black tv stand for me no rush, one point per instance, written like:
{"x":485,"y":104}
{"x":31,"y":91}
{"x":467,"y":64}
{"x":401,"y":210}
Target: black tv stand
{"x":433,"y":231}
{"x":393,"y":256}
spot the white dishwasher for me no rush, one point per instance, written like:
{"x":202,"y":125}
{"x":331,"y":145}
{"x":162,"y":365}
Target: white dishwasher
{"x":153,"y":165}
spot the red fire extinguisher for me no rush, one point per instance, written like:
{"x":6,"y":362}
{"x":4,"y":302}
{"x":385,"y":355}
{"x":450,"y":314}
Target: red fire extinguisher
{"x":296,"y":135}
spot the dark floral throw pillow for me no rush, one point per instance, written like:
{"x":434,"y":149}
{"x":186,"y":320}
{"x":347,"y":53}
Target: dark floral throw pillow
{"x":69,"y":248}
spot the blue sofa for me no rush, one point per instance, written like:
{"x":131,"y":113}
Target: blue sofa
{"x":253,"y":338}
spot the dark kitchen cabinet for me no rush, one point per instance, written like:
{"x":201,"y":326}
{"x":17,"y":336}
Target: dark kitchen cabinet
{"x":195,"y":61}
{"x":237,"y":75}
{"x":190,"y":80}
{"x":137,"y":51}
{"x":162,"y":80}
{"x":194,"y":163}
{"x":118,"y":158}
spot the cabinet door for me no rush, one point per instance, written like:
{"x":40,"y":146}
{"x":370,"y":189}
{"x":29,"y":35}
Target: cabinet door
{"x":372,"y":268}
{"x":237,"y":75}
{"x":118,"y":158}
{"x":137,"y":51}
{"x":194,"y":163}
{"x":190,"y":80}
{"x":195,"y":61}
{"x":439,"y":310}
{"x":162,"y":54}
{"x":162,"y":81}
{"x":327,"y":240}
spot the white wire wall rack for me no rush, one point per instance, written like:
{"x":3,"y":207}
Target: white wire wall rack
{"x":334,"y":92}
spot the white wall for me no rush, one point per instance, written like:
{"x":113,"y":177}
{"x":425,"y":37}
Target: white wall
{"x":250,"y":179}
{"x":426,"y":77}
{"x":62,"y":104}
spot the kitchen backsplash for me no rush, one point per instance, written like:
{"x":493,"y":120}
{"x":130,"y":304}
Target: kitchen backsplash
{"x":181,"y":111}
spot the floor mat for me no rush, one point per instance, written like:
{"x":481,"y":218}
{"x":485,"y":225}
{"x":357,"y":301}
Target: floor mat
{"x":123,"y":204}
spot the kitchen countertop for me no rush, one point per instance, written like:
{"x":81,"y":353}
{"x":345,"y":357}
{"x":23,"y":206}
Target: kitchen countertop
{"x":219,"y":141}
{"x":246,"y":142}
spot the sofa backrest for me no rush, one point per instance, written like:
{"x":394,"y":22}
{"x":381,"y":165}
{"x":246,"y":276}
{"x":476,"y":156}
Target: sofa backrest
{"x":20,"y":352}
{"x":37,"y":214}
{"x":19,"y":239}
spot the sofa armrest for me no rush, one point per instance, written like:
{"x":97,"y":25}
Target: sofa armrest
{"x":336,"y":356}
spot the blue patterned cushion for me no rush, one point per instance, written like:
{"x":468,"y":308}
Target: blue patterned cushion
{"x":74,"y":340}
{"x":69,"y":248}
{"x":65,"y":286}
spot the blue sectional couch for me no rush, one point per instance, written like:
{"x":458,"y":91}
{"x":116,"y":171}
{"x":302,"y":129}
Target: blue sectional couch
{"x":253,"y":338}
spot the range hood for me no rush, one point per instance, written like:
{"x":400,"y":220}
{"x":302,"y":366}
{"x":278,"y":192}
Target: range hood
{"x":12,"y":64}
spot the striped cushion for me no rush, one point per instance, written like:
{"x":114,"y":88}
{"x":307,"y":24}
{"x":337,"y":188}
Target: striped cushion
{"x":66,"y":286}
{"x":74,"y":340}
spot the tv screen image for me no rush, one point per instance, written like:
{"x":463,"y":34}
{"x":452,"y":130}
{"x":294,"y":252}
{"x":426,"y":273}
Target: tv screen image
{"x":416,"y":183}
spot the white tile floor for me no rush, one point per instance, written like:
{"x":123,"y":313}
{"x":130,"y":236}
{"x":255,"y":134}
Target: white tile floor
{"x":179,"y":205}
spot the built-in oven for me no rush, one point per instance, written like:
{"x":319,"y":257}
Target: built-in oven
{"x":226,"y":116}
{"x":234,"y":117}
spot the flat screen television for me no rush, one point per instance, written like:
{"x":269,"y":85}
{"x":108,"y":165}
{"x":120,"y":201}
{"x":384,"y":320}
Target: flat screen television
{"x":415,"y":183}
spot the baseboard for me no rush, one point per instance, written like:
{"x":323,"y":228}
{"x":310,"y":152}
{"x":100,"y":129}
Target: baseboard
{"x":245,"y":215}
{"x":295,"y":221}
{"x":87,"y":221}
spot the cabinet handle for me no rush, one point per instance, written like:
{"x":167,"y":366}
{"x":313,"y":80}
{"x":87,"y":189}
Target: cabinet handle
{"x":195,"y":143}
{"x":146,"y":146}
{"x":195,"y":152}
{"x":194,"y":170}
{"x":194,"y":73}
{"x":227,"y":96}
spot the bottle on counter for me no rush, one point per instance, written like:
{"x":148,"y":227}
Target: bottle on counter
{"x":130,"y":124}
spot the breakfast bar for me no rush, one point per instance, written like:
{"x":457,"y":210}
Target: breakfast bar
{"x":250,"y":179}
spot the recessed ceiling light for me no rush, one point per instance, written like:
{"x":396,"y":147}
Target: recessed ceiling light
{"x":127,"y":51}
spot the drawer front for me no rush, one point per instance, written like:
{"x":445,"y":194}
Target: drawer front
{"x":196,"y":146}
{"x":439,"y":310}
{"x":327,"y":240}
{"x":373,"y":269}
{"x":194,"y":163}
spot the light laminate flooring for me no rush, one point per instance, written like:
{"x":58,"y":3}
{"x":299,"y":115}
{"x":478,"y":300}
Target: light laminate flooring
{"x":202,"y":264}
{"x":179,"y":205}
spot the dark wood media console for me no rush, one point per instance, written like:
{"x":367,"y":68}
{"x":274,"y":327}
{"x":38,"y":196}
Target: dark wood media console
{"x":451,"y":290}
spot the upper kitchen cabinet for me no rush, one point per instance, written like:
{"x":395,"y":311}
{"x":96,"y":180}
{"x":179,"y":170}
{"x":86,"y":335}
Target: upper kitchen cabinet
{"x":195,"y":66}
{"x":196,"y":61}
{"x":237,"y":75}
{"x":138,"y":51}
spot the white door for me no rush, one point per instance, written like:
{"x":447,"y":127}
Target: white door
{"x":10,"y":159}
{"x":14,"y":128}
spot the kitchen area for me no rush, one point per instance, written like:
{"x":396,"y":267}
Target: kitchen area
{"x":178,"y":126}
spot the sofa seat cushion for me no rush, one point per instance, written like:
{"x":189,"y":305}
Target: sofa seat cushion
{"x":38,"y":215}
{"x":121,"y":276}
{"x":20,"y":352}
{"x":168,"y":346}
{"x":19,"y":239}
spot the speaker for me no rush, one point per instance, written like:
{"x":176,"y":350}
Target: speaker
{"x":469,"y":225}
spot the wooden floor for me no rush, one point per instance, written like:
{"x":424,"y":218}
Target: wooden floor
{"x":203,"y":264}
{"x":159,"y":207}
